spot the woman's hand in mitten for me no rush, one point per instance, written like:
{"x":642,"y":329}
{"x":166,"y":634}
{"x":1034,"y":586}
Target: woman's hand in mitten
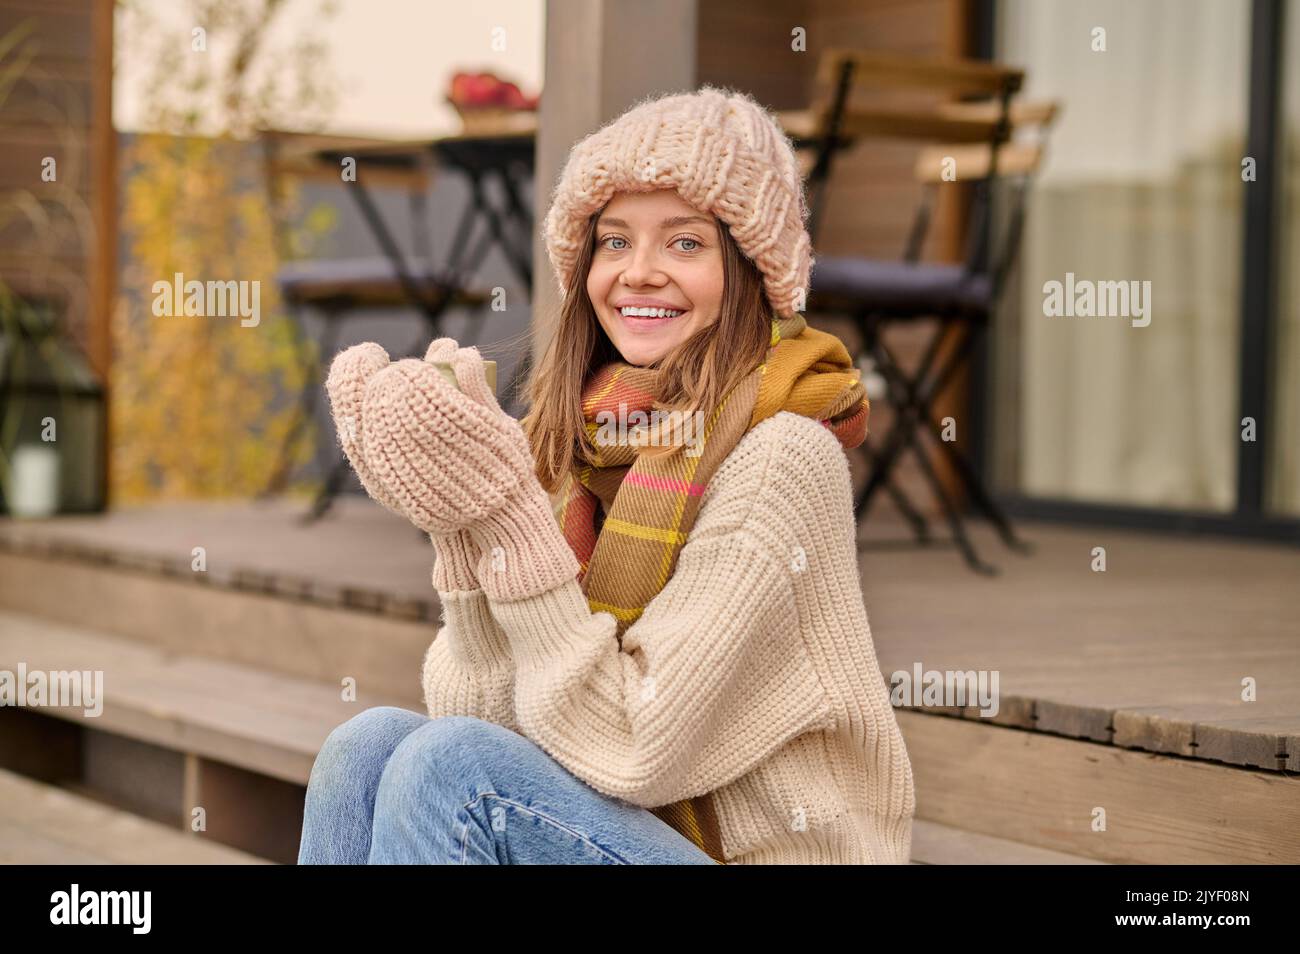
{"x":456,"y":554}
{"x":447,"y":459}
{"x":350,"y":372}
{"x":456,"y":460}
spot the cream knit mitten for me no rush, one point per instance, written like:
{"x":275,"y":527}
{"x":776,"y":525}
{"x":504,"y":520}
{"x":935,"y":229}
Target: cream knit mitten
{"x":455,"y":554}
{"x":451,"y":461}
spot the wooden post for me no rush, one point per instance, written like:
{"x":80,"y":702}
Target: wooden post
{"x":601,"y":57}
{"x":103,"y":198}
{"x":954,"y":212}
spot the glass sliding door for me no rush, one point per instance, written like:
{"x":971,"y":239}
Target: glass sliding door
{"x":1120,"y":385}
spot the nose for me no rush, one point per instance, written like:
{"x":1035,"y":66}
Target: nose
{"x":643,"y":269}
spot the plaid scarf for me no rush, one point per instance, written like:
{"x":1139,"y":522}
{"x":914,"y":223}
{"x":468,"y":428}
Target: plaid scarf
{"x":650,"y":486}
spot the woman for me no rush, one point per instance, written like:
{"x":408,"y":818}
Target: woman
{"x":655,"y":647}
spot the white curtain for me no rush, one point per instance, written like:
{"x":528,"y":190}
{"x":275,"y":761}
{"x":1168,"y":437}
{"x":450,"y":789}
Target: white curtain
{"x":1142,"y":182}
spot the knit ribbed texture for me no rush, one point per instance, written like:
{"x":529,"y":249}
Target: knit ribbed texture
{"x":449,"y":460}
{"x":687,"y":707}
{"x":724,"y":153}
{"x":750,"y":677}
{"x":523,"y":550}
{"x":455,"y":563}
{"x":468,"y":669}
{"x":349,"y":373}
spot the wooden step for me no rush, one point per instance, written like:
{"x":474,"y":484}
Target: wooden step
{"x":41,"y":824}
{"x":180,"y":737}
{"x":265,"y":722}
{"x":1047,"y":791}
{"x":936,"y":844}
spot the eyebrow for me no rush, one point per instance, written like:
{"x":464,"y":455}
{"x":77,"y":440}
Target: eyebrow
{"x":669,"y":223}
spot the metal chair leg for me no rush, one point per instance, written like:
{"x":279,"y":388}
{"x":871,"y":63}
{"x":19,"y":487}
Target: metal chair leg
{"x":880,"y":471}
{"x":915,"y":519}
{"x":971,"y":480}
{"x":912,"y":396}
{"x":921,"y":398}
{"x":902,"y":397}
{"x":950,"y":513}
{"x":306,"y":403}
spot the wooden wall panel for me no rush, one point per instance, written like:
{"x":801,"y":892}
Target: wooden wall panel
{"x":747,"y":45}
{"x":63,"y":109}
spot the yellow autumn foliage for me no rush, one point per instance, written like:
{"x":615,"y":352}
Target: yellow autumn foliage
{"x":194,"y":408}
{"x":201,"y":407}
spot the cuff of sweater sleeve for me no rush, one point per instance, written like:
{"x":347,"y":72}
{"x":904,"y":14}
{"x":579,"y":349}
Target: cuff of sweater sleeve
{"x":557,"y":622}
{"x":522,"y":551}
{"x":455,"y":560}
{"x":474,"y":638}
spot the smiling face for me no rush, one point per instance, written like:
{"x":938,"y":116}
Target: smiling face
{"x":656,"y":273}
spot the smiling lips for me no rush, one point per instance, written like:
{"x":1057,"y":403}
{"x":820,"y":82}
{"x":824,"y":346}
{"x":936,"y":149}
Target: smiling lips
{"x":639,"y":318}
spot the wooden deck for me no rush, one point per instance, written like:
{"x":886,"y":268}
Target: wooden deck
{"x":1150,"y":654}
{"x":1118,"y":690}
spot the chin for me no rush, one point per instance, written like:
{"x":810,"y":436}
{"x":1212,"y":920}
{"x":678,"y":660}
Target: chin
{"x":642,"y":358}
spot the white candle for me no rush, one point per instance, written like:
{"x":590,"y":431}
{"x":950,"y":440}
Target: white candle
{"x":34,"y":490}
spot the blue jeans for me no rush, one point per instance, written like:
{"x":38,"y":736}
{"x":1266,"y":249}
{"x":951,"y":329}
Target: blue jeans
{"x":392,"y":786}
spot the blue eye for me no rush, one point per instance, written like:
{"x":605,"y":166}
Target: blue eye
{"x":603,"y":243}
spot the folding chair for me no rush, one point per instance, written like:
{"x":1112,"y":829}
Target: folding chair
{"x":974,"y":145}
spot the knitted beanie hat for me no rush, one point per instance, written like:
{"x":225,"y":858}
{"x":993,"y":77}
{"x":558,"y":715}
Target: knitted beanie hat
{"x":723,"y":153}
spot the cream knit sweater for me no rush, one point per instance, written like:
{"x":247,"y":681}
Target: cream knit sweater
{"x":752,"y":675}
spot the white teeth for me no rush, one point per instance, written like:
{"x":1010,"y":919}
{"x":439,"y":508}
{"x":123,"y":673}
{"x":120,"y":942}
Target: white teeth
{"x":649,"y":312}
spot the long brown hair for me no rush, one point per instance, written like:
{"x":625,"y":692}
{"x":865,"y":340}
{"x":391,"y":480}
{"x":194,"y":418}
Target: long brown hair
{"x":695,"y":375}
